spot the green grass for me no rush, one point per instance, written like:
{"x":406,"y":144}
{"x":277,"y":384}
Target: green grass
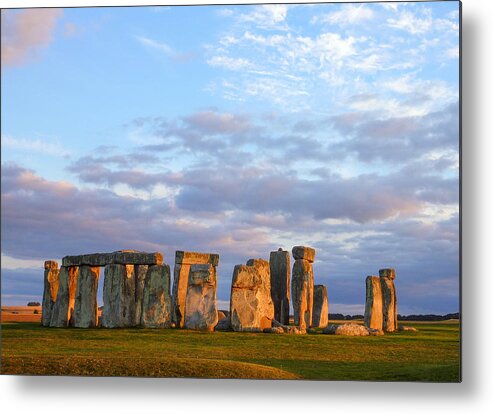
{"x":431,"y":354}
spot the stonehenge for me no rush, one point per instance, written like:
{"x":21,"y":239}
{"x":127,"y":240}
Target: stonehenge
{"x":381,"y":302}
{"x":200,"y":306}
{"x":156,"y":301}
{"x":183,"y":262}
{"x":320,"y":317}
{"x":51,"y":281}
{"x":251,"y":305}
{"x":136,"y":293}
{"x":302,"y":285}
{"x":280,"y":278}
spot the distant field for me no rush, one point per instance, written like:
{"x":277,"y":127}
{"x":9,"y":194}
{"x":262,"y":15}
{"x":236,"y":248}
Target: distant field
{"x":431,"y":354}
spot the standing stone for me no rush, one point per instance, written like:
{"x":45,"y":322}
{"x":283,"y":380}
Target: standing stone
{"x":118,"y":296}
{"x":156,"y":301}
{"x":183,"y":261}
{"x":140,"y":276}
{"x":302,"y":286}
{"x":200,"y":306}
{"x":62,"y":312}
{"x":280,"y":277}
{"x":251,"y":306}
{"x":86,"y":303}
{"x":389,"y":300}
{"x":373,"y":306}
{"x":320,"y":307}
{"x":51,"y":281}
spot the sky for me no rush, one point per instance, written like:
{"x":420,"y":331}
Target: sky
{"x":236,"y":130}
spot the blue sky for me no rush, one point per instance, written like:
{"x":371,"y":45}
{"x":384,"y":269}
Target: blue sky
{"x":236,"y":130}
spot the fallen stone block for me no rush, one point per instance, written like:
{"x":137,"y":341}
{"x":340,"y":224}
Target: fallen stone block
{"x":407,"y":328}
{"x":347,"y":329}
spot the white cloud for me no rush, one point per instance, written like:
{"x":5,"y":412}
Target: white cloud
{"x":230,"y":63}
{"x":268,"y":16}
{"x":35,"y":145}
{"x":165,"y":49}
{"x":347,"y":15}
{"x":452,"y":53}
{"x":14,"y":263}
{"x":409,"y":22}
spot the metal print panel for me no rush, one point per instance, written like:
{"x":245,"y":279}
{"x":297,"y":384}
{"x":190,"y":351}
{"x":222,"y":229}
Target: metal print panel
{"x":265,"y":191}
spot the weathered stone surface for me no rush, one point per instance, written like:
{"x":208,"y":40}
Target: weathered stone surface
{"x":347,"y":329}
{"x":221,"y":315}
{"x":280,"y":284}
{"x":51,"y":281}
{"x":86,"y":304}
{"x":388,"y":273}
{"x":123,"y":257}
{"x":251,"y":307}
{"x":140,"y":277}
{"x":156,"y":302}
{"x":223,"y":325}
{"x":304,"y":253}
{"x":191,"y":258}
{"x":389,"y":304}
{"x":407,"y":328}
{"x":375,"y":332}
{"x":200,"y":306}
{"x":183,"y":261}
{"x":373,"y":306}
{"x":302,"y":293}
{"x":288,"y":328}
{"x":320,"y":317}
{"x":62,"y":312}
{"x":118,"y":296}
{"x":274,"y":330}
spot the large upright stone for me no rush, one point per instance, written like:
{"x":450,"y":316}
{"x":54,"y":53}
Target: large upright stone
{"x":156,"y":302}
{"x":251,"y":306}
{"x":51,"y":281}
{"x":183,"y":261}
{"x":389,"y":300}
{"x":373,"y":307}
{"x":86,"y":303}
{"x":280,"y":278}
{"x":200,"y":306}
{"x":118,"y":296}
{"x":140,"y":276}
{"x":62,"y":312}
{"x":302,"y":286}
{"x":123,"y":257}
{"x":320,"y":317}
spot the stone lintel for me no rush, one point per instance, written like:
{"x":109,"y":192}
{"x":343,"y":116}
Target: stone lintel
{"x":120,"y":257}
{"x":190,"y":258}
{"x":304,"y":253}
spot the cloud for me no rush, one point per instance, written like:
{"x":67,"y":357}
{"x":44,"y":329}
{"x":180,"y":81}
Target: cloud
{"x":165,"y":49}
{"x":25,"y":33}
{"x":411,"y":23}
{"x":268,"y":16}
{"x":347,"y":15}
{"x":230,"y":63}
{"x":35,"y":145}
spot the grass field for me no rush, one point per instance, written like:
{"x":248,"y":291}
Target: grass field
{"x":431,"y":354}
